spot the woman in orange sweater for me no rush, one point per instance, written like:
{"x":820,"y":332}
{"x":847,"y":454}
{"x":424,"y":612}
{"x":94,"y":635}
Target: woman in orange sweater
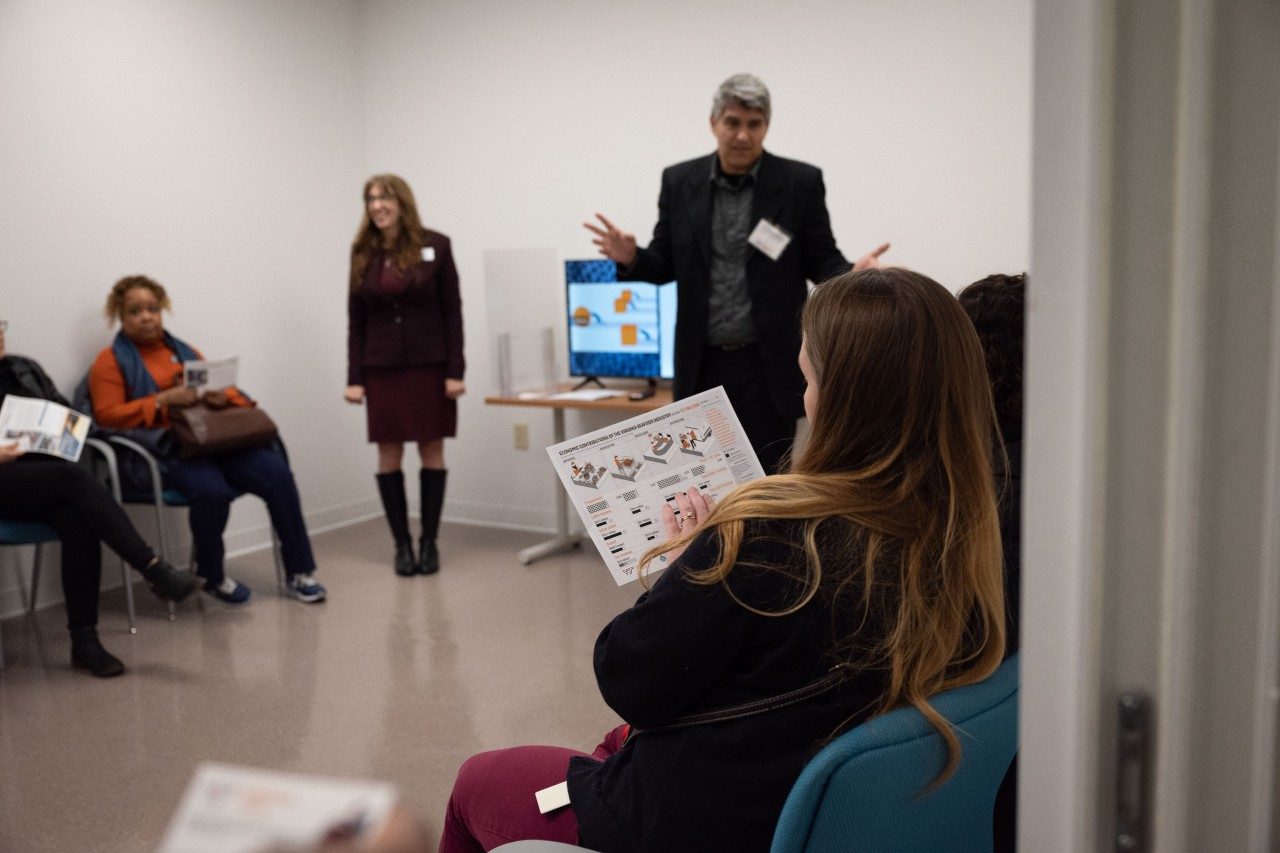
{"x":135,"y":383}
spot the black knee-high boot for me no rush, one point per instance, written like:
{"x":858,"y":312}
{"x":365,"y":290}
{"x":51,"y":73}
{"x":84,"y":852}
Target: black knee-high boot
{"x":431,"y":481}
{"x":391,"y":489}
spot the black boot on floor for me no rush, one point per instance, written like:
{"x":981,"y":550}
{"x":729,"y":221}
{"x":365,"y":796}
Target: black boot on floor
{"x":394,"y":504}
{"x":428,"y":557}
{"x":431,"y":481}
{"x":88,"y":653}
{"x":168,"y":583}
{"x":406,"y":565}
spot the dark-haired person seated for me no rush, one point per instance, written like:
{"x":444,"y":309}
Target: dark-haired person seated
{"x":61,"y":494}
{"x":875,"y":561}
{"x":135,"y":383}
{"x":997,"y":306}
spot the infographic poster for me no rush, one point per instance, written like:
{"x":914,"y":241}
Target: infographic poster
{"x":621,"y":479}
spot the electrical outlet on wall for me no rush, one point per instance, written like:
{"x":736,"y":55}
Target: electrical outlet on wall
{"x":522,"y":436}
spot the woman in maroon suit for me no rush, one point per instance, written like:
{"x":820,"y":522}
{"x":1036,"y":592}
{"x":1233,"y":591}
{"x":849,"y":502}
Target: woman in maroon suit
{"x":404,"y":355}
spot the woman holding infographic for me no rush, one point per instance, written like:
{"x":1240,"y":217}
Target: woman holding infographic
{"x":866,"y":577}
{"x":404,"y":355}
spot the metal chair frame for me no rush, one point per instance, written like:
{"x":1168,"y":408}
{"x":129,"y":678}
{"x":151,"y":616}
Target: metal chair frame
{"x":162,"y":497}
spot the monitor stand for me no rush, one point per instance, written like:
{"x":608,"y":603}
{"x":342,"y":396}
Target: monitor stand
{"x":648,"y":392}
{"x":584,"y":383}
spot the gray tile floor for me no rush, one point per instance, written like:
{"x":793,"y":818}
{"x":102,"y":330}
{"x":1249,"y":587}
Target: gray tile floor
{"x":395,"y":679}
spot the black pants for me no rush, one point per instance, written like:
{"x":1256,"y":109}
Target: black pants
{"x":741,"y":372}
{"x":67,"y":498}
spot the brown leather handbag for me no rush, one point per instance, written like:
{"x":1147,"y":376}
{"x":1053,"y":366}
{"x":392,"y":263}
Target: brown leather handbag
{"x":202,"y":431}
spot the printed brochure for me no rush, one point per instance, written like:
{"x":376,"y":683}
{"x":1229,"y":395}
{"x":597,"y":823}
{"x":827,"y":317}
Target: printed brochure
{"x":624,"y":477}
{"x":41,"y":426}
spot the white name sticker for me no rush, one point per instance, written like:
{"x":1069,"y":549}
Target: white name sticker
{"x":769,"y":239}
{"x":555,"y":797}
{"x":428,"y":253}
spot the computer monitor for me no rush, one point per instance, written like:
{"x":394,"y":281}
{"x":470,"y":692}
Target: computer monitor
{"x":618,"y":329}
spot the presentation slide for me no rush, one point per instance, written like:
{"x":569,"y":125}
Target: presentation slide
{"x":623,"y":329}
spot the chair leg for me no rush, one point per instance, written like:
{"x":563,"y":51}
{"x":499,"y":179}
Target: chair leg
{"x":281,"y":581}
{"x":35,"y":578}
{"x":128,"y":595}
{"x":164,"y":550}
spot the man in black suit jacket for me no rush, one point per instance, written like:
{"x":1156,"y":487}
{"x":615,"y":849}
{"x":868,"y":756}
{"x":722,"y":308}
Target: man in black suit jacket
{"x":741,"y":231}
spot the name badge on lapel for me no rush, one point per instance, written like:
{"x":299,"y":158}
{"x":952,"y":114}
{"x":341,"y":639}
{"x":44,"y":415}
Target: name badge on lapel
{"x":428,"y":253}
{"x":769,"y":239}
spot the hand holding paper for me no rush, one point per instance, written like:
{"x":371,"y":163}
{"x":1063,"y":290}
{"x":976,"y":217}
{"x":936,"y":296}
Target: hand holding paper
{"x":642,"y":481}
{"x":216,"y":399}
{"x":178,"y":397}
{"x":691,"y":509}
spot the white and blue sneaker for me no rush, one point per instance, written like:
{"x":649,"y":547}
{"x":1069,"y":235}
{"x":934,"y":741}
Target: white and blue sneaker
{"x":230,"y":591}
{"x":303,"y":587}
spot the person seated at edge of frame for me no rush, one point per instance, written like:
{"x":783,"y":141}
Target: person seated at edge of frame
{"x":997,"y":307}
{"x":65,"y":496}
{"x":136,"y":382}
{"x":868,"y":577}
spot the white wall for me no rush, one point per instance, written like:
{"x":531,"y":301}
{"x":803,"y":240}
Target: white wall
{"x":220,"y":146}
{"x":211,"y":145}
{"x":514,"y":121}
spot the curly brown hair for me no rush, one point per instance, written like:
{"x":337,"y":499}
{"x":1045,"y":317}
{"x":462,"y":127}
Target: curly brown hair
{"x":115,"y":299}
{"x":997,"y":306}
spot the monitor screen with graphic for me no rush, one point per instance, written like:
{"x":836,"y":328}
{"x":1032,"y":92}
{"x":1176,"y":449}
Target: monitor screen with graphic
{"x":618,"y":328}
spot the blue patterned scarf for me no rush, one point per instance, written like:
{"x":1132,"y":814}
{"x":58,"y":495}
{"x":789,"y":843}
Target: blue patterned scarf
{"x":138,"y":381}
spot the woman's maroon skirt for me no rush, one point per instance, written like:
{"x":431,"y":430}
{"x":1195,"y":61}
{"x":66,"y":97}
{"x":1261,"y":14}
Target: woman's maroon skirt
{"x":408,"y":404}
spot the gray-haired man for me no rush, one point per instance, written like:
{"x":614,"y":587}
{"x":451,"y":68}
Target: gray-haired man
{"x":741,"y":232}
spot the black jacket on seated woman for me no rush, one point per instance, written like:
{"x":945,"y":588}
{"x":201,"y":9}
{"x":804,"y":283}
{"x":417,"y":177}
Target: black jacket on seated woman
{"x":65,"y":496}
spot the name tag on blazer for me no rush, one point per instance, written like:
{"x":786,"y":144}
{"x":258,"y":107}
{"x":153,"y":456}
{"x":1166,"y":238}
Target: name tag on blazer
{"x":428,"y":253}
{"x":771,"y":240}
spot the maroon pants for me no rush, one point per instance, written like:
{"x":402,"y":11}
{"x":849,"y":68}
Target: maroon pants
{"x":492,"y":801}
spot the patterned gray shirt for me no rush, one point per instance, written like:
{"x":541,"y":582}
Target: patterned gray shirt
{"x":729,"y":305}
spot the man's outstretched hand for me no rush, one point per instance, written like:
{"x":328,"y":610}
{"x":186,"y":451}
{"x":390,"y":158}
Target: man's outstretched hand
{"x":871,"y":260}
{"x":615,"y":244}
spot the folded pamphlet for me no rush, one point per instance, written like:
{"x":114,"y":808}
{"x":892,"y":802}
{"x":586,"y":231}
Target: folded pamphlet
{"x":42,"y":426}
{"x":229,"y":809}
{"x":211,"y":375}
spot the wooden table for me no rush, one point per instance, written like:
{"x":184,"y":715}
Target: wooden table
{"x":564,"y":540}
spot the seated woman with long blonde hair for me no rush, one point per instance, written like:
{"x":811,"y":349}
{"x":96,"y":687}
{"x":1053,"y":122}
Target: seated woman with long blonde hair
{"x":867,"y":578}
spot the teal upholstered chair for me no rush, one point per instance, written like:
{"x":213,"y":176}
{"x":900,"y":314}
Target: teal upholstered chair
{"x":27,"y":533}
{"x":866,"y":790}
